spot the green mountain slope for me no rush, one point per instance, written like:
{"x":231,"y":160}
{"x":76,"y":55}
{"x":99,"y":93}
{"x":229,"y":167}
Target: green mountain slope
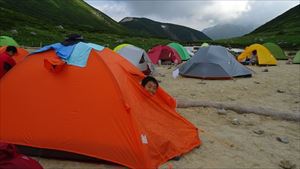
{"x":163,"y":30}
{"x":283,"y":30}
{"x":42,"y":22}
{"x":75,"y":14}
{"x":286,"y":23}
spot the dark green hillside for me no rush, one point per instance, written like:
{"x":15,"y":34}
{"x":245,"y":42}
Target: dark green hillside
{"x":163,"y":30}
{"x":75,"y":14}
{"x":288,"y":23}
{"x":41,"y":22}
{"x":45,"y":37}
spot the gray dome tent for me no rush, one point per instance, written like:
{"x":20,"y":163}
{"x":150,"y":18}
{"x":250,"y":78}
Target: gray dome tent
{"x":214,"y":62}
{"x":136,"y":56}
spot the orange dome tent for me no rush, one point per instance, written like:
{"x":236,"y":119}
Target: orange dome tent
{"x":99,"y":110}
{"x":19,"y":56}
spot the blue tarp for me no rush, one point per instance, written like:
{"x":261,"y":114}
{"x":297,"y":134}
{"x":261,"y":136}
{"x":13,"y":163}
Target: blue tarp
{"x":76,"y":54}
{"x":62,"y":51}
{"x":81,"y":53}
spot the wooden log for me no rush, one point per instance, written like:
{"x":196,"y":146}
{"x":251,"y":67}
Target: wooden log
{"x":285,"y":115}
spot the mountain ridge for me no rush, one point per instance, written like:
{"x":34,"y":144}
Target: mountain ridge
{"x":171,"y":31}
{"x":225,"y":31}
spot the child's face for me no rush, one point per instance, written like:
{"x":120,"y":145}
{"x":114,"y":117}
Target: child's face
{"x":10,"y":53}
{"x":151,"y":87}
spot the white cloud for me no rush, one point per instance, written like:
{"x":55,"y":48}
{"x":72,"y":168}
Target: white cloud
{"x":196,"y":14}
{"x":114,"y":9}
{"x":263,"y":11}
{"x":228,"y":10}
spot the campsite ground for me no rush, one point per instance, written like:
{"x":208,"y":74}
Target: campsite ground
{"x":252,"y":141}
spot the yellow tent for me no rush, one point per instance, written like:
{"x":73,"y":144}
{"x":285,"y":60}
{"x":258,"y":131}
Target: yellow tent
{"x":264,"y":56}
{"x":204,"y":44}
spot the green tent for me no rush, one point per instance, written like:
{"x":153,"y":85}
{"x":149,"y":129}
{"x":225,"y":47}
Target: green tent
{"x":184,"y":55}
{"x":7,"y":41}
{"x":276,"y":51}
{"x":297,"y":58}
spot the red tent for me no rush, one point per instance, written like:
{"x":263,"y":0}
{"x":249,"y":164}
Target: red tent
{"x":163,"y":53}
{"x":100,"y":111}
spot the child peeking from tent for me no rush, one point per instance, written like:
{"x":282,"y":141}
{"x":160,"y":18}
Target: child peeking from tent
{"x":150,"y":84}
{"x":11,"y":159}
{"x":253,"y":58}
{"x":6,"y":60}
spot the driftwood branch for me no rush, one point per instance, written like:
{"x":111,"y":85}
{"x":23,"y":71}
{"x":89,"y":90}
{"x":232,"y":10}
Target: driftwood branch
{"x":286,"y":115}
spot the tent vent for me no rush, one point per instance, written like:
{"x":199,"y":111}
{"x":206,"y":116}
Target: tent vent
{"x":54,"y":65}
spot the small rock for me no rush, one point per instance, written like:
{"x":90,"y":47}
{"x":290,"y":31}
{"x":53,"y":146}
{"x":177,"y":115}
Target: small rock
{"x":282,"y":140}
{"x":222,"y":112}
{"x":162,"y":75}
{"x":245,"y":88}
{"x":286,"y":164}
{"x":60,"y":27}
{"x":265,"y":70}
{"x":258,"y":131}
{"x":193,"y":94}
{"x":249,"y":124}
{"x":235,"y":121}
{"x":296,"y":102}
{"x":120,"y":41}
{"x":280,"y":91}
{"x":14,"y":31}
{"x":201,"y":83}
{"x":33,"y":33}
{"x":231,"y":99}
{"x":256,"y":82}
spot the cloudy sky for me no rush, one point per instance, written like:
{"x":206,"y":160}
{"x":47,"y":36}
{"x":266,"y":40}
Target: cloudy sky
{"x":197,"y":14}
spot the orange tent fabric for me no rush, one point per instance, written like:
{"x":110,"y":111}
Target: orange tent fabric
{"x":100,"y":111}
{"x":19,"y":56}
